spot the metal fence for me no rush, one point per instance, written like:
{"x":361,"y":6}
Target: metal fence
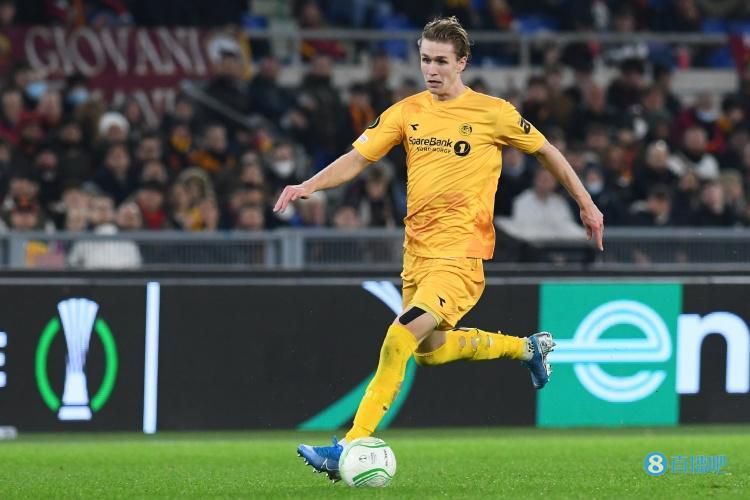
{"x":286,"y":42}
{"x":370,"y":249}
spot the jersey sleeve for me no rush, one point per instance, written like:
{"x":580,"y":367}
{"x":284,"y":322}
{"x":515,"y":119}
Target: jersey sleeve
{"x":382,"y":134}
{"x":512,"y":129}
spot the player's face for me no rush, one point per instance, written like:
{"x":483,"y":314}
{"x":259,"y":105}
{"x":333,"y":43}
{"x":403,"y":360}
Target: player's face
{"x":440,"y":67}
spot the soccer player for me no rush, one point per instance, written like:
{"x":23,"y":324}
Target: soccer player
{"x":453,"y":138}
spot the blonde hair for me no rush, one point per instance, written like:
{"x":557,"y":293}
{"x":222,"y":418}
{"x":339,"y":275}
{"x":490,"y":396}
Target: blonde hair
{"x":448,"y":29}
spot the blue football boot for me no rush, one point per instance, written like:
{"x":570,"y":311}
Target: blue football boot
{"x":542,"y":344}
{"x":323,"y":458}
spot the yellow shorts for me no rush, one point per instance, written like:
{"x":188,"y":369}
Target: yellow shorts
{"x":447,"y":288}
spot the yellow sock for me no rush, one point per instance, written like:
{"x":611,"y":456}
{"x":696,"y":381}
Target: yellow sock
{"x":398,"y":346}
{"x":474,"y":344}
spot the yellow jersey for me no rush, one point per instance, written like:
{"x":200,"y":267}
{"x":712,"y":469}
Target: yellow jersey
{"x":453,"y":164}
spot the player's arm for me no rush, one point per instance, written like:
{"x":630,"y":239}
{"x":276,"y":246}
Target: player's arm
{"x":593,"y":220}
{"x":345,"y":168}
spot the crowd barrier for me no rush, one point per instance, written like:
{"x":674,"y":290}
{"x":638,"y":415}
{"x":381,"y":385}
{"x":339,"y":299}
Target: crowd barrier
{"x":216,"y":353}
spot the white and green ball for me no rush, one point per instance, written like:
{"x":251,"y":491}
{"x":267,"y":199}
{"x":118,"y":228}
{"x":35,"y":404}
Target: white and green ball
{"x":367,"y":462}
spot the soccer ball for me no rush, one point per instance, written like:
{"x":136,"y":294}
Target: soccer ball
{"x":367,"y":462}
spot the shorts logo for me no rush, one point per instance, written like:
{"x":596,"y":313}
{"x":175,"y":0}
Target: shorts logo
{"x":462,"y":148}
{"x":442,"y":300}
{"x":465,"y":129}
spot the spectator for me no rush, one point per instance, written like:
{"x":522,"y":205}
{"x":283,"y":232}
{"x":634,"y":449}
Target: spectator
{"x":138,"y":124}
{"x":76,"y":220}
{"x":150,"y":199}
{"x":592,"y":112}
{"x":75,"y":159}
{"x":345,"y":217}
{"x":154,"y":171}
{"x":46,"y":170}
{"x":734,"y":193}
{"x":228,"y":87}
{"x":655,"y":211}
{"x":373,"y":198}
{"x":536,"y":107}
{"x":116,"y":177}
{"x":267,"y":96}
{"x":250,"y":218}
{"x":654,"y":170}
{"x":214,"y":155}
{"x":179,"y":147}
{"x":284,"y":167}
{"x":209,"y":215}
{"x":149,"y":148}
{"x":310,"y":16}
{"x":713,"y":210}
{"x":731,"y":120}
{"x":607,"y":201}
{"x":702,"y":114}
{"x":377,"y":86}
{"x":686,"y":199}
{"x":11,"y":110}
{"x":113,"y":128}
{"x":693,"y":156}
{"x":662,"y":78}
{"x":540,"y":213}
{"x":104,"y":253}
{"x":517,"y":176}
{"x":129,"y":217}
{"x":361,"y":113}
{"x":324,"y":112}
{"x":50,"y":111}
{"x":312,"y":211}
{"x":101,"y":210}
{"x":654,"y":111}
{"x":624,"y":93}
{"x":625,"y":23}
{"x":26,"y":215}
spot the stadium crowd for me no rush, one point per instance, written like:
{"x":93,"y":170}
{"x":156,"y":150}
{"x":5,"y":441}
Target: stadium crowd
{"x":70,"y":163}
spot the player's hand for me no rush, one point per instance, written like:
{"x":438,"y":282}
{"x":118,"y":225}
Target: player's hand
{"x":290,"y":194}
{"x":593,"y":221}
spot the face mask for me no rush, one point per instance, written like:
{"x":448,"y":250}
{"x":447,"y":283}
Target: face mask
{"x":706,"y":116}
{"x":35,"y":90}
{"x":595,"y":188}
{"x":78,"y":96}
{"x":283,"y":168}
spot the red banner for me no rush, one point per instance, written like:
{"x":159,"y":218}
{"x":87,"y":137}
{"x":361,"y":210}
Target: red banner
{"x":124,"y":61}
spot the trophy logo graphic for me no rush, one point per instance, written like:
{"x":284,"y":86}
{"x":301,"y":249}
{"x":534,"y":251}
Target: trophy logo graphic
{"x":78,"y":320}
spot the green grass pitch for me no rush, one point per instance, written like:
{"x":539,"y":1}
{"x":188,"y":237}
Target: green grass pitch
{"x":435,"y":463}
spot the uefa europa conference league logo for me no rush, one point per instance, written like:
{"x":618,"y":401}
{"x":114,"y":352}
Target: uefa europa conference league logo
{"x":78,"y":322}
{"x":615,"y":356}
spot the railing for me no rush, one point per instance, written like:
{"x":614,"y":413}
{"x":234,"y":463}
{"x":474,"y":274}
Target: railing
{"x":371,"y":249}
{"x":287,"y":40}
